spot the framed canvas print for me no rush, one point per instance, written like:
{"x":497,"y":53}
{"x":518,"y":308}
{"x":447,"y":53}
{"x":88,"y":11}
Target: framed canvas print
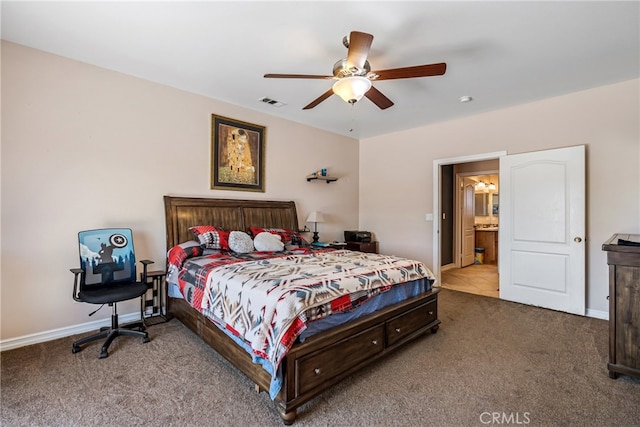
{"x":237,"y":155}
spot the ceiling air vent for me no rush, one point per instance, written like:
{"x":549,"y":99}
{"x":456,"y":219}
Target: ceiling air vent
{"x":272,"y":102}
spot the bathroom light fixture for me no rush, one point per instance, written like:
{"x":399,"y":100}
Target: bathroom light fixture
{"x":315,"y":217}
{"x":480,"y":185}
{"x":492,"y":186}
{"x":352,"y":89}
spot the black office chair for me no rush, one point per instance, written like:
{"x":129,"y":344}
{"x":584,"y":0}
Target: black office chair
{"x":108,"y":276}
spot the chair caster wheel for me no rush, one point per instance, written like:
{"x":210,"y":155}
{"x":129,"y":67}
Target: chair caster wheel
{"x":145,"y":340}
{"x":75,"y":349}
{"x":103,"y":353}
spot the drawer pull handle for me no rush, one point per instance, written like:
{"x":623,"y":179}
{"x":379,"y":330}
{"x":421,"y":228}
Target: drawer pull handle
{"x":431,"y":313}
{"x":317,"y":371}
{"x":374,"y":342}
{"x":398,"y":330}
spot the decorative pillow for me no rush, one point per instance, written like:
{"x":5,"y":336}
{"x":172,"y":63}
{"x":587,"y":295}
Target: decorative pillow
{"x":211,"y":237}
{"x":288,"y":236}
{"x":268,"y":242}
{"x":179,"y":253}
{"x":240,"y":242}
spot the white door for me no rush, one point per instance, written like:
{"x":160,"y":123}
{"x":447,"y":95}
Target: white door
{"x":542,"y":229}
{"x":468,"y":221}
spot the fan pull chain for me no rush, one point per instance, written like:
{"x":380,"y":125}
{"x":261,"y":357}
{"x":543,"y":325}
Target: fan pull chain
{"x":353,"y":117}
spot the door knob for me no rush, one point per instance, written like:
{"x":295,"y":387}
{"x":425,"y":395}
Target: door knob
{"x":577,"y":239}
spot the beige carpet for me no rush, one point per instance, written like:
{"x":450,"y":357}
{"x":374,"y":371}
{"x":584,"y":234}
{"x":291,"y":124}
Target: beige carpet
{"x":490,"y":358}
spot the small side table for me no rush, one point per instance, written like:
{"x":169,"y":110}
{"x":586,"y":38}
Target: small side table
{"x":154,"y":302}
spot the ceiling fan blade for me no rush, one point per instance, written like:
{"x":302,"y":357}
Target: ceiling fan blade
{"x":319,"y":99}
{"x":409,"y":72}
{"x":359,"y":45}
{"x":296,"y":76}
{"x":378,"y":98}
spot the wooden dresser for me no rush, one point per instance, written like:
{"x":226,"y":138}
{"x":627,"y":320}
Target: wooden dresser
{"x":624,"y":305}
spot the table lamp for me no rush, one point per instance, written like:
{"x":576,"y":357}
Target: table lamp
{"x":315,"y":217}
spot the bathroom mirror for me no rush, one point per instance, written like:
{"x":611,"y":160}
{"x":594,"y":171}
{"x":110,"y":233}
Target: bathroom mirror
{"x":487,"y":204}
{"x":482,"y":204}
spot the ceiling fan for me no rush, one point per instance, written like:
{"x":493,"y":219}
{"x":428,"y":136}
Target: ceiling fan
{"x":353,"y":75}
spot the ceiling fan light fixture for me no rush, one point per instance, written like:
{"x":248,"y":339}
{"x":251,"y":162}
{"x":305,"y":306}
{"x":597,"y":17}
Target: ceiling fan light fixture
{"x":352,"y":89}
{"x":353,"y":74}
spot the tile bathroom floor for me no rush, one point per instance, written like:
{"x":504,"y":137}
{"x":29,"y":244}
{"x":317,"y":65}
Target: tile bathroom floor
{"x":479,"y":279}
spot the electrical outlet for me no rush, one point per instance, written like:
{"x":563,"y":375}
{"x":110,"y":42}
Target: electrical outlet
{"x":428,"y":217}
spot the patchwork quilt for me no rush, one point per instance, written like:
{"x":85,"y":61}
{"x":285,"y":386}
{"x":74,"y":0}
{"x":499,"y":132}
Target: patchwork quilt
{"x":264,"y":300}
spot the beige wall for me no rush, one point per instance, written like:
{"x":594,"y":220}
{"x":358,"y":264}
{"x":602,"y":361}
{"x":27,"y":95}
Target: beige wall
{"x":396,"y":183}
{"x":83,"y":147}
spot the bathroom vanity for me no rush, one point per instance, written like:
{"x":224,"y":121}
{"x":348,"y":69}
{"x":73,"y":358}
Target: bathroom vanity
{"x":487,"y":238}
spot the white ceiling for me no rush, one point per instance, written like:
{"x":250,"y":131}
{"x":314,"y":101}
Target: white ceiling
{"x":499,"y":53}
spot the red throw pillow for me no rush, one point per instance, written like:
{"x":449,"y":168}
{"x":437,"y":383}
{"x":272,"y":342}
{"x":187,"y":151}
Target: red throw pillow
{"x":211,"y":237}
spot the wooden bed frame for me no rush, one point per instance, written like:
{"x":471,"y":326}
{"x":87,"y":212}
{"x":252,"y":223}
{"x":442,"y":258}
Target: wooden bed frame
{"x":323,"y":359}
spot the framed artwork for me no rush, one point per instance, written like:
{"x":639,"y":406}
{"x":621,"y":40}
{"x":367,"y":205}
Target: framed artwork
{"x":237,"y":155}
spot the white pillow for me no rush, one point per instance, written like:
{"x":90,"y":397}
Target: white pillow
{"x":240,"y":242}
{"x":268,"y":242}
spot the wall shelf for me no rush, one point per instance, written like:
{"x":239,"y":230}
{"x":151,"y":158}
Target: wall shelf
{"x":326,"y":178}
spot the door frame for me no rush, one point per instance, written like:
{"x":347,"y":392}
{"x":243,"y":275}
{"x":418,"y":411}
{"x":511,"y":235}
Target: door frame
{"x":459,"y":198}
{"x":437,"y":188}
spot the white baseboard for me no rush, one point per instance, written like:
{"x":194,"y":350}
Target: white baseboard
{"x":54,"y":334}
{"x":598,"y":314}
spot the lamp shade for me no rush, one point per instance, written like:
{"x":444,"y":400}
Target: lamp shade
{"x":352,"y":89}
{"x":315,"y":216}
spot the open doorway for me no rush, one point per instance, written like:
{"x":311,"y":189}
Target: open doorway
{"x":542,"y":222}
{"x":468,"y":206}
{"x":476,"y":202}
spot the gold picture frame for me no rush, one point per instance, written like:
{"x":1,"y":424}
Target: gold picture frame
{"x":237,"y":155}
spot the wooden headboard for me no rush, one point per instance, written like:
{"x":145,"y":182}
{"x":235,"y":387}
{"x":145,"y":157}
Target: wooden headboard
{"x":184,"y":212}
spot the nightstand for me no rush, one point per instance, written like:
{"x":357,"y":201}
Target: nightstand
{"x":371,"y":247}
